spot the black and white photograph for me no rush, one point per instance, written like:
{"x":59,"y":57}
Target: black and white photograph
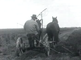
{"x":40,"y":29}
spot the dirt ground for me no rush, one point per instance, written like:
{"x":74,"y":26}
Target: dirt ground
{"x":7,"y":52}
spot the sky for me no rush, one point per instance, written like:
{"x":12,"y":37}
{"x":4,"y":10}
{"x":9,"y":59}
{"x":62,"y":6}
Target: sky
{"x":14,"y":13}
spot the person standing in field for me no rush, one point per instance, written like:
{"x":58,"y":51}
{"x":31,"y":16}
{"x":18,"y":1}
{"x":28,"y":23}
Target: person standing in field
{"x":31,"y":28}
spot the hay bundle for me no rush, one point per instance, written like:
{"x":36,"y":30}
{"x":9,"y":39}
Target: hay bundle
{"x":73,"y":42}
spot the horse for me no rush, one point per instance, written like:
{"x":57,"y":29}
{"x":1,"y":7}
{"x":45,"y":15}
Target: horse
{"x":52,"y":30}
{"x":40,"y":30}
{"x":39,"y":24}
{"x":43,"y":38}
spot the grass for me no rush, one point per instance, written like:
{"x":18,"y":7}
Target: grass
{"x":8,"y":39}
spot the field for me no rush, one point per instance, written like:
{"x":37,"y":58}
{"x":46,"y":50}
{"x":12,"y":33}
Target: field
{"x":68,"y":36}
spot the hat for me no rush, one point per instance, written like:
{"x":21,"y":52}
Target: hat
{"x":34,"y":16}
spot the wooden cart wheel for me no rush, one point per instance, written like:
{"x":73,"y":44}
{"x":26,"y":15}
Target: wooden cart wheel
{"x":46,"y":45}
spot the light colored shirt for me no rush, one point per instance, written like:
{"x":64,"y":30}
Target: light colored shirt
{"x":31,"y":27}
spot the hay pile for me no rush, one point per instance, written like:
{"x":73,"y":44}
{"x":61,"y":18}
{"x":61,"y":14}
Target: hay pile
{"x":74,"y":38}
{"x":73,"y":41}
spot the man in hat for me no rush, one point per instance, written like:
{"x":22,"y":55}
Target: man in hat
{"x":31,"y":28}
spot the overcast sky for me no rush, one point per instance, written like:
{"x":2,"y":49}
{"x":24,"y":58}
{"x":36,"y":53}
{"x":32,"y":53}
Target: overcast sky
{"x":14,"y":13}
